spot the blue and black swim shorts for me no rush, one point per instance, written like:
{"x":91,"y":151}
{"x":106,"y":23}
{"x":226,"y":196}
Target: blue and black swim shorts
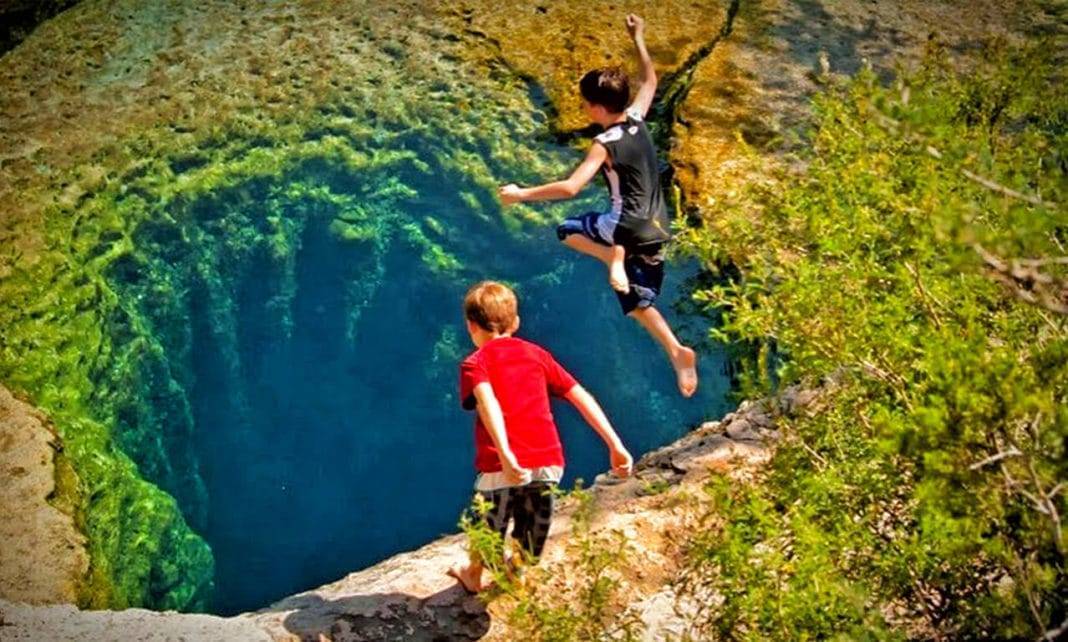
{"x":643,"y":264}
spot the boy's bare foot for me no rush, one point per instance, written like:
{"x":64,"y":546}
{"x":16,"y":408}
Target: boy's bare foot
{"x":469,"y":576}
{"x":685,"y":363}
{"x":617,"y":277}
{"x":513,"y":567}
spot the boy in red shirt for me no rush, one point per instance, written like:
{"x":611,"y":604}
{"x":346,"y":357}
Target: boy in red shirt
{"x":517,"y":448}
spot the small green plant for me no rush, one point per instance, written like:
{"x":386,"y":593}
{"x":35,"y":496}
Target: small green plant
{"x":655,"y":486}
{"x":483,"y":541}
{"x":584,"y":605}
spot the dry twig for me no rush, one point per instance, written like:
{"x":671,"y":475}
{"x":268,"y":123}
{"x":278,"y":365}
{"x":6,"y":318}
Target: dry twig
{"x":1011,"y":452}
{"x":1026,"y":282}
{"x":993,"y":185}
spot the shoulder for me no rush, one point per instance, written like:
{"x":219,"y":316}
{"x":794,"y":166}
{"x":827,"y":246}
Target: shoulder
{"x":610,"y":135}
{"x":634,"y":113}
{"x":541,"y":354}
{"x":523,"y":347}
{"x":475,"y":358}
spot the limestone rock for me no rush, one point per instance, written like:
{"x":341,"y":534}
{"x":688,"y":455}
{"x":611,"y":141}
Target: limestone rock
{"x":407,"y":597}
{"x":23,"y":623}
{"x":42,"y":554}
{"x":667,"y":616}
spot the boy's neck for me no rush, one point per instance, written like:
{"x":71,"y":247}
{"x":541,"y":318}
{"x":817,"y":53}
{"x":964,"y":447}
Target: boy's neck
{"x":611,"y":119}
{"x":485,"y":336}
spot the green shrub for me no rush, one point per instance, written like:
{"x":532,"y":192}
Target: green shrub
{"x":921,"y":257}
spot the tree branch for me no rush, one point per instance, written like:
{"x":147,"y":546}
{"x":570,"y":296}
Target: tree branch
{"x":1026,"y":282}
{"x":993,"y":185}
{"x":1055,"y":634}
{"x":1011,"y":452}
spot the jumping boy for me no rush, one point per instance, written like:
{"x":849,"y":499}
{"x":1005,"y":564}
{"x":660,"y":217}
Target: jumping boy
{"x":630,"y":237}
{"x":517,"y":448}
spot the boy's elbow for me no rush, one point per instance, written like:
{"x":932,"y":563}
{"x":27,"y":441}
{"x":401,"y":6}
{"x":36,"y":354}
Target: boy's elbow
{"x":576,"y":393}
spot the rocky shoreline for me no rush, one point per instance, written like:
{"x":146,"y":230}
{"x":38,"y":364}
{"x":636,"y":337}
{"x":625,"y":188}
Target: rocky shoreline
{"x":410,"y":597}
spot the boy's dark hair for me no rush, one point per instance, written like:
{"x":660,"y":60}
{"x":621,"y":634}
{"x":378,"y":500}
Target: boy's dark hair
{"x":609,"y":88}
{"x":492,"y":306}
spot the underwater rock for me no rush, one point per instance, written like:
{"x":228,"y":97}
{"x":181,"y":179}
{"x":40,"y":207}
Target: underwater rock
{"x":552,"y":44}
{"x":756,"y":84}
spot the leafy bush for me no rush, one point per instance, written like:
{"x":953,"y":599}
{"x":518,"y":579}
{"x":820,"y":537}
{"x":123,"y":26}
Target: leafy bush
{"x":920,"y":257}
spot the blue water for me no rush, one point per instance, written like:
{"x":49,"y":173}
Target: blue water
{"x":326,"y":451}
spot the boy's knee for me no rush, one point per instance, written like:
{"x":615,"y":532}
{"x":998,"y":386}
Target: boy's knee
{"x":641,"y":309}
{"x":564,"y":230}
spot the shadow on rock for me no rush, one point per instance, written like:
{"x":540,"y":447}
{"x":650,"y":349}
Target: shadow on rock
{"x":451,"y":614}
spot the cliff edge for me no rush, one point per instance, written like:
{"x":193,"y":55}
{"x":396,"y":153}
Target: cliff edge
{"x":410,"y":597}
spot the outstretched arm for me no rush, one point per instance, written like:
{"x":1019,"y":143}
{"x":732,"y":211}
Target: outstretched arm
{"x":489,"y":410}
{"x":595,"y":417}
{"x":636,"y":27}
{"x":556,"y":190}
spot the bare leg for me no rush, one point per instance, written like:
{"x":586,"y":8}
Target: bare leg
{"x":610,"y":256}
{"x":602,"y":253}
{"x":617,"y":275}
{"x":683,"y":359}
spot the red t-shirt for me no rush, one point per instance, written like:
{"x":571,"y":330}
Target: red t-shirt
{"x":523,"y":375}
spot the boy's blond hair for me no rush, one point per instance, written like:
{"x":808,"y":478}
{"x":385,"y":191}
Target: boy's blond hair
{"x":492,"y":306}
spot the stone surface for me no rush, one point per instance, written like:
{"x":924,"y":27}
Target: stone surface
{"x":757,"y":83}
{"x":410,"y":596}
{"x":407,"y":597}
{"x":22,"y":623}
{"x":42,"y":554}
{"x":666,"y":616}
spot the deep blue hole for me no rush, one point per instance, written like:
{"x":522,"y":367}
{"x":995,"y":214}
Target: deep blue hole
{"x":325,"y":451}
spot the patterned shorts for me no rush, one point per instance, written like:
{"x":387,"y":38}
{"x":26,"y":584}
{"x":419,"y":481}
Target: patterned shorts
{"x":530,"y":507}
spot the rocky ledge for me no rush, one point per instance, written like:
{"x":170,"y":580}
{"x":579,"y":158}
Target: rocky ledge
{"x":410,"y":597}
{"x":43,"y":557}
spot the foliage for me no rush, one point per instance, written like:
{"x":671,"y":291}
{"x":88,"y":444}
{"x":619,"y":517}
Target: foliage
{"x":918,"y":260}
{"x":585,"y":605}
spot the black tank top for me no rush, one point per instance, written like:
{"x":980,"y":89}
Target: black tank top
{"x":633,"y":182}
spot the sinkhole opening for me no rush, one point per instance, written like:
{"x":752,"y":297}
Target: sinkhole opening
{"x":318,"y":350}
